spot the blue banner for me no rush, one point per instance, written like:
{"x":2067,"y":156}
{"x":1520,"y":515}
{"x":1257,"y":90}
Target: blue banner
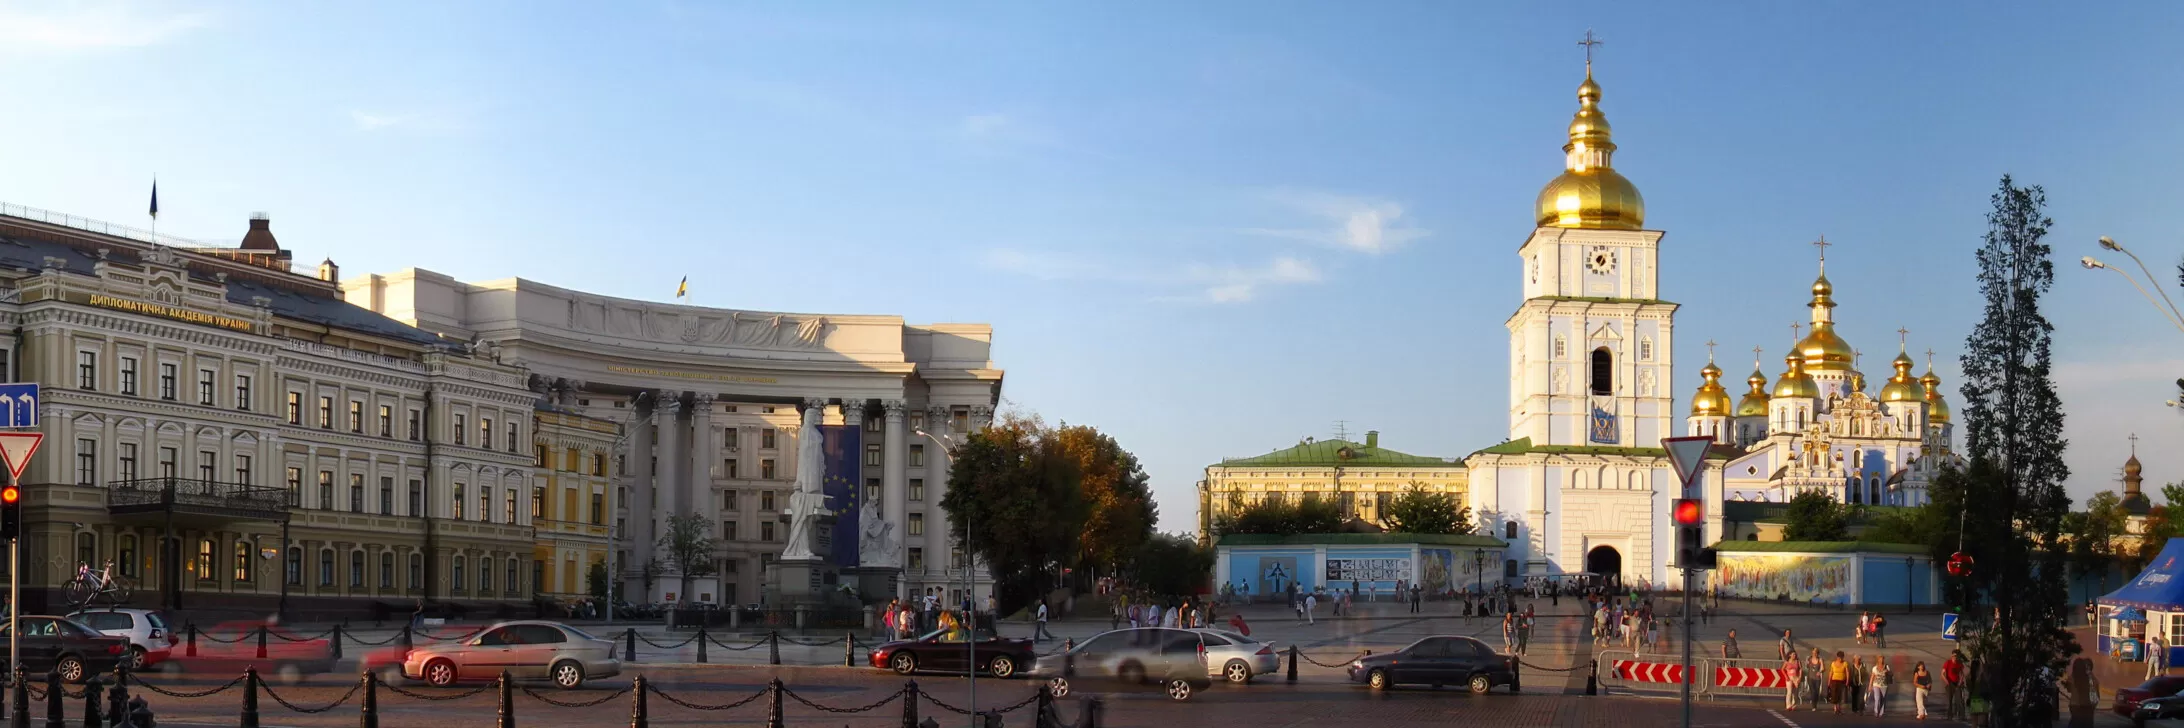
{"x":1603,"y":427}
{"x":844,"y":487}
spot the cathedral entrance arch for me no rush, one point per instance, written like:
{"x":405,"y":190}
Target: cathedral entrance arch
{"x":1605,"y":561}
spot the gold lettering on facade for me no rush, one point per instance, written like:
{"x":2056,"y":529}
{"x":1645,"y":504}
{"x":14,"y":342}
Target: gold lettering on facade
{"x":173,"y":312}
{"x":691,"y":375}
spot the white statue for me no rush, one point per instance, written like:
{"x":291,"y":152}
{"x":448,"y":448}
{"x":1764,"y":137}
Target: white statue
{"x":809,"y":502}
{"x":877,"y":545}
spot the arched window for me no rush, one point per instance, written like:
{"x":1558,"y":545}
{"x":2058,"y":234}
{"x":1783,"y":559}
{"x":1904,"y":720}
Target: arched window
{"x":1603,"y":371}
{"x":1857,"y":495}
{"x":1509,"y":530}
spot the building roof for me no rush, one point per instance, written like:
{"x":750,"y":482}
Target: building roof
{"x":1359,"y":539}
{"x":1338,"y":453}
{"x":1523,"y":446}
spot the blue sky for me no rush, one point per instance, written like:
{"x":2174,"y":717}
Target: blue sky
{"x":1209,"y":229}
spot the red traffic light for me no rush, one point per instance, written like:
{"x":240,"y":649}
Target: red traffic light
{"x":1960,"y":564}
{"x":11,"y":495}
{"x":1690,"y":512}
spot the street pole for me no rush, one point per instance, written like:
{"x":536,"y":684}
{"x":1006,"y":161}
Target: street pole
{"x":1687,"y":676}
{"x":15,"y":603}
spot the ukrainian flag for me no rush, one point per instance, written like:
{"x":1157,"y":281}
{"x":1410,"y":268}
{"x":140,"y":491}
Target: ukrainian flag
{"x":681,"y":289}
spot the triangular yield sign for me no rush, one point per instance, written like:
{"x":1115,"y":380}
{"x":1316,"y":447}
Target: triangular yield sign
{"x":16,"y":448}
{"x":1687,"y":454}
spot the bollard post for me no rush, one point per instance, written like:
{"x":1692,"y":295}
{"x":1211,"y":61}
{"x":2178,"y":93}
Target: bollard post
{"x":773,"y":647}
{"x":56,"y":713}
{"x":910,"y":704}
{"x":117,"y":699}
{"x":1292,"y":664}
{"x":629,"y":645}
{"x":773,"y":703}
{"x":140,"y":714}
{"x":1044,"y":707}
{"x":1093,"y":708}
{"x":849,"y":650}
{"x":993,"y":719}
{"x":19,"y":713}
{"x":261,"y":641}
{"x":368,"y":706}
{"x":1516,"y":677}
{"x":93,"y":691}
{"x":1592,"y":679}
{"x":637,"y":717}
{"x":335,"y":643}
{"x":507,"y":702}
{"x":409,"y":639}
{"x":191,"y":651}
{"x":249,"y":716}
{"x":701,"y":644}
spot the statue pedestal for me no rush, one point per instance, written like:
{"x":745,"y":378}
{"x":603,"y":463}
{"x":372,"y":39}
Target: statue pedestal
{"x":874,"y":583}
{"x":790,"y":582}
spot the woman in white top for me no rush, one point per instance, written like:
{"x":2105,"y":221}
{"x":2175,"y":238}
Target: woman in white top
{"x":1877,"y":687}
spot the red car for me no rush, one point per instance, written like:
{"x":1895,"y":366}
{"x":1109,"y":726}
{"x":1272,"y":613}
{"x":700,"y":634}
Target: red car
{"x":2128,"y":699}
{"x":232,"y":646}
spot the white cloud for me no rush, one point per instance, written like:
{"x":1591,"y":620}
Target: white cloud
{"x":367,"y":121}
{"x":372,"y":121}
{"x":92,"y":26}
{"x":1362,"y":224}
{"x":982,"y":125}
{"x":1046,"y":266}
{"x":1205,"y":283}
{"x":1229,"y":284}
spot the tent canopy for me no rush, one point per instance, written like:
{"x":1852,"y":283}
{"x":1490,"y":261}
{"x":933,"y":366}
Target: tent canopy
{"x":2160,"y":587}
{"x":2128,"y":614}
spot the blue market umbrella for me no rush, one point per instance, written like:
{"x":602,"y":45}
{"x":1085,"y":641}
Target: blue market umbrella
{"x":2129,"y":614}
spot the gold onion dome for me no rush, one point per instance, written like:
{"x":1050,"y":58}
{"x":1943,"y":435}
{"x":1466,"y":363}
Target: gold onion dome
{"x":1589,"y":193}
{"x":1795,"y":382}
{"x":1902,"y":387}
{"x":1712,"y":400}
{"x":1754,"y":403}
{"x":1822,"y":349}
{"x":1937,"y":410}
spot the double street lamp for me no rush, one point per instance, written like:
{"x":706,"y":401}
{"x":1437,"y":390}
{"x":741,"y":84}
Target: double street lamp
{"x":970,"y":581}
{"x":2167,"y":307}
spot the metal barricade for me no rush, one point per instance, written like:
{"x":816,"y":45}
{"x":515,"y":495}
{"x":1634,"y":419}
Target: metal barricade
{"x":1633,"y":672}
{"x":1743,"y":676}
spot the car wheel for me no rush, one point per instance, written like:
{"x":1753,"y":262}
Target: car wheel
{"x":1002,"y":666}
{"x":1058,"y":687}
{"x":440,"y":673}
{"x":1130,"y":673}
{"x":71,"y":669}
{"x":1378,"y":679}
{"x":1179,"y":689}
{"x":1237,"y":672}
{"x":1480,"y":684}
{"x":568,"y":675}
{"x":903,"y":663}
{"x":135,"y":659}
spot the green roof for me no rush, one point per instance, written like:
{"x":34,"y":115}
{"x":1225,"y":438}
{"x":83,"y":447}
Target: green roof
{"x":1330,"y":453}
{"x":1358,"y":539}
{"x":1820,"y":547}
{"x":1524,"y":446}
{"x":1601,"y":299}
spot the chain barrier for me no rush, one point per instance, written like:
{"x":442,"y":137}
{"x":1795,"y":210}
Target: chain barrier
{"x":655,"y":690}
{"x":1338,"y":664}
{"x":1542,"y":668}
{"x":892,"y":697}
{"x":808,"y":644}
{"x":731,"y":648}
{"x":181,"y":694}
{"x":1027,"y":701}
{"x":351,"y":636}
{"x":238,"y":638}
{"x":397,"y":689}
{"x":286,"y":638}
{"x":36,"y":693}
{"x":943,"y":706}
{"x":678,"y":645}
{"x":353,"y":687}
{"x":573,"y":703}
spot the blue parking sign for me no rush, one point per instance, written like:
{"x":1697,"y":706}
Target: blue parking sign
{"x":1948,"y":626}
{"x":19,"y":404}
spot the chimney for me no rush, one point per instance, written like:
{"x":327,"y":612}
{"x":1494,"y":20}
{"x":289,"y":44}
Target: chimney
{"x":1372,"y":438}
{"x":260,"y":236}
{"x":329,"y":272}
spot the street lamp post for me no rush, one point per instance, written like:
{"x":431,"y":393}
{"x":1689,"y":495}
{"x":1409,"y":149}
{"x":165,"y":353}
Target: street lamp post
{"x":2169,"y":311}
{"x":970,"y":582}
{"x":1478,"y":570}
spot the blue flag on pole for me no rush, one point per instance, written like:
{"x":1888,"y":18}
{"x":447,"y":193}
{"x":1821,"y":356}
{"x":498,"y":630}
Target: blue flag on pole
{"x":844,"y":488}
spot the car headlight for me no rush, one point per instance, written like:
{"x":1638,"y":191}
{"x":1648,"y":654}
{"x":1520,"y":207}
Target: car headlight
{"x":1357,"y":664}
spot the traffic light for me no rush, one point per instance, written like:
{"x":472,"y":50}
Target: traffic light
{"x":1691,"y":550}
{"x":11,"y":511}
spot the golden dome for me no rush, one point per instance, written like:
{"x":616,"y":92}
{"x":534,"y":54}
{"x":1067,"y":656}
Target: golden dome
{"x":1902,"y":387}
{"x":1754,"y":403}
{"x":1823,"y":350}
{"x":1712,"y":400}
{"x":1589,"y":193}
{"x":1795,"y":382}
{"x":1937,"y":410}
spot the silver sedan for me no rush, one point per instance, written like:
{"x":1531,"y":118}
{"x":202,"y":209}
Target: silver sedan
{"x":558,"y":652}
{"x":1237,"y":658}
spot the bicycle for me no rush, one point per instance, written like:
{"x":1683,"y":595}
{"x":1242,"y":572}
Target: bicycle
{"x":90,"y":585}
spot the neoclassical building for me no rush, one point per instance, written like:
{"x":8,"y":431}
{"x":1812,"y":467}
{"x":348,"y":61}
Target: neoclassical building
{"x":1360,"y":477}
{"x":709,"y":403}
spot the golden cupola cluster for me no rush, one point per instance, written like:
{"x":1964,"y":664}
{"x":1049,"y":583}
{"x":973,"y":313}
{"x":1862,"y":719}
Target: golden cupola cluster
{"x":1795,"y":383}
{"x":1589,"y":193}
{"x":1712,"y":400}
{"x":1937,"y":409}
{"x":1754,"y":403}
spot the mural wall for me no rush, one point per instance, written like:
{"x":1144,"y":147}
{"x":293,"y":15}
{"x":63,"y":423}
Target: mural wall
{"x":1437,"y":569}
{"x":1810,"y":578}
{"x":1271,"y":573}
{"x":1371,"y":571}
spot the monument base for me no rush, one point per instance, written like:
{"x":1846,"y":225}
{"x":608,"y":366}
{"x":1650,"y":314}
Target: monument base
{"x":874,"y":583}
{"x":791,"y":582}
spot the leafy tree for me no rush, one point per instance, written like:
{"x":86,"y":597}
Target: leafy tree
{"x":2014,"y":438}
{"x":687,"y":548}
{"x":1278,"y":515}
{"x":1817,"y":516}
{"x":595,"y":579}
{"x":1172,"y":564}
{"x":1418,"y":510}
{"x":1016,"y":497}
{"x":1117,"y":495}
{"x":1916,"y":525}
{"x":2093,"y":535}
{"x":2173,"y":494}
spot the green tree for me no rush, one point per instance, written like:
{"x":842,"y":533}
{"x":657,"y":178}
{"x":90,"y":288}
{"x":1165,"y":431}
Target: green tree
{"x":2173,"y":494}
{"x":595,"y":579}
{"x":1915,"y":525}
{"x":1278,"y":515}
{"x":2014,"y":438}
{"x":687,"y":550}
{"x":2093,"y":535}
{"x":1172,"y":564}
{"x":1817,"y":516}
{"x":1118,"y":499}
{"x":1016,"y":498}
{"x":1418,"y":510}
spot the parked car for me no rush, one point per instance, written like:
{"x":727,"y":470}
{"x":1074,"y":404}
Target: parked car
{"x":229,"y":647}
{"x":59,"y":644}
{"x":1174,"y":659}
{"x":952,"y":651}
{"x":1238,"y":658}
{"x":2128,"y":699}
{"x":150,"y":639}
{"x":527,"y":649}
{"x":1436,"y":661}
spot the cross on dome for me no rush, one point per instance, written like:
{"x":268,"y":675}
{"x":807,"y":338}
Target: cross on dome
{"x":1588,"y":43}
{"x":1823,"y":244}
{"x":1709,"y":351}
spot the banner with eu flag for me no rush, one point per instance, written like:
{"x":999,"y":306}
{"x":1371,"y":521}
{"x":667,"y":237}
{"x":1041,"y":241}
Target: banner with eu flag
{"x":844,"y":483}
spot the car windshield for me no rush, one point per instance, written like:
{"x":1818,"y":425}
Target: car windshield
{"x":1233,"y":637}
{"x":155,"y":620}
{"x":577,"y":633}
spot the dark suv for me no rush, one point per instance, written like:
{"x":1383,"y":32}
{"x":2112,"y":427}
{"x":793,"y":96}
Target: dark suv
{"x":1436,"y":661}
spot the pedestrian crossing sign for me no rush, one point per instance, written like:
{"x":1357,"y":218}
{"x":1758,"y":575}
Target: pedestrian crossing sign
{"x":1948,"y":626}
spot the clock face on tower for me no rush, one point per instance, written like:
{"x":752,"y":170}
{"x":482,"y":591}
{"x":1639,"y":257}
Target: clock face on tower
{"x":1601,"y":260}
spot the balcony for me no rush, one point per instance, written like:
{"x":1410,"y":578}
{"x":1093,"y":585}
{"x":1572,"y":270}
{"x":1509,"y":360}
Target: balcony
{"x":191,"y":497}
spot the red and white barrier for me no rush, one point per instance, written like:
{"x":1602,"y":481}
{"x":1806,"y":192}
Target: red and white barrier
{"x":1751,"y":677}
{"x":1649,"y":672}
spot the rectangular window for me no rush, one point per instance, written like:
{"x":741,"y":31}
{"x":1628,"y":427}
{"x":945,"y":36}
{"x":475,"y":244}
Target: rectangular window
{"x":128,"y":461}
{"x":485,"y":432}
{"x":356,"y":492}
{"x":515,"y":574}
{"x":917,"y":490}
{"x":87,"y":462}
{"x":414,"y":419}
{"x":386,"y":570}
{"x":204,"y":465}
{"x":167,"y":375}
{"x":461,"y":426}
{"x":295,"y":408}
{"x":871,"y":424}
{"x":485,"y":503}
{"x":87,"y":370}
{"x":386,"y":423}
{"x":455,"y":575}
{"x":872,"y":456}
{"x":416,"y":498}
{"x":598,"y":508}
{"x":728,"y":530}
{"x":765,"y":530}
{"x":917,"y":524}
{"x":728,"y":467}
{"x":326,"y":490}
{"x":243,"y":469}
{"x":129,"y":375}
{"x":168,"y":462}
{"x":873,"y":493}
{"x":599,"y":465}
{"x":538,"y":503}
{"x":542,"y":462}
{"x":457,"y":500}
{"x":242,"y":392}
{"x":356,"y":417}
{"x":731,"y":500}
{"x":485,"y":574}
{"x":765,"y":500}
{"x":203,"y":567}
{"x":243,"y":557}
{"x":295,"y":567}
{"x":295,"y":486}
{"x":204,"y":387}
{"x":356,"y":569}
{"x":765,"y":438}
{"x":326,"y":413}
{"x":386,"y":496}
{"x":513,"y":439}
{"x":417,"y":571}
{"x":766,"y":469}
{"x":508,"y":505}
{"x":917,"y":559}
{"x":917,"y":455}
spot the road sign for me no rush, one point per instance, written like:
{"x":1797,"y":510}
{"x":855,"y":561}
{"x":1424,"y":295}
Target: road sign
{"x":1750,"y":677}
{"x":19,"y":405}
{"x":1653,"y":672}
{"x":1688,"y":454}
{"x":1948,"y":627}
{"x":16,"y":448}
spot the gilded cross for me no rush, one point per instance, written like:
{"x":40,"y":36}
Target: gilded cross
{"x":1822,"y":244}
{"x":2134,"y":444}
{"x":1710,"y":350}
{"x":1755,"y":356}
{"x":1794,"y":328}
{"x":1929,"y":359}
{"x":1588,"y":43}
{"x":1903,"y":337}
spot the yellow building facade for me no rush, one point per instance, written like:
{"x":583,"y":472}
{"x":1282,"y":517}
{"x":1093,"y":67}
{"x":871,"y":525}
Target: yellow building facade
{"x":573,"y":502}
{"x":1362,"y":477}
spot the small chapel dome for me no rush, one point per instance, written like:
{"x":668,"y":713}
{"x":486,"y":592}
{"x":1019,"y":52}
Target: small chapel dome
{"x":1795,"y":382}
{"x":1902,"y":387}
{"x":1937,"y":409}
{"x":1754,"y":403}
{"x":1711,"y":400}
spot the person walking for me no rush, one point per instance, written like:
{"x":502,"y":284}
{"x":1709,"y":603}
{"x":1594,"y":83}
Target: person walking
{"x":1857,"y":686}
{"x":1877,"y":687}
{"x":1952,"y":678}
{"x":1838,"y":681}
{"x":1880,"y":638}
{"x":1793,"y":673}
{"x":1865,"y":626}
{"x":2157,"y":657}
{"x":1816,"y":679}
{"x":1729,"y":649}
{"x":1786,"y":649}
{"x":1509,"y":632}
{"x":1922,"y":683}
{"x":1311,"y":602}
{"x":1524,"y":632}
{"x":1040,"y":632}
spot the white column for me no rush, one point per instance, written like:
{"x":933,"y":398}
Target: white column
{"x":639,"y":475}
{"x":705,"y":447}
{"x":673,"y":483}
{"x":895,"y":476}
{"x":853,"y":416}
{"x":938,"y":420}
